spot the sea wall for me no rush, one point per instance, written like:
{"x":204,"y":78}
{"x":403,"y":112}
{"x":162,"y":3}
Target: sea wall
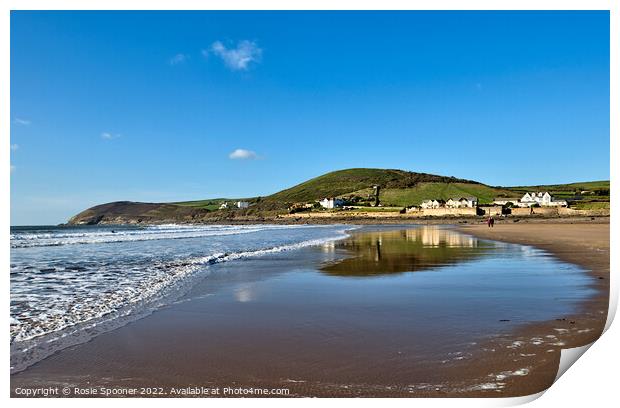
{"x":443,"y":212}
{"x":547,"y":211}
{"x":490,"y":210}
{"x":564,"y":211}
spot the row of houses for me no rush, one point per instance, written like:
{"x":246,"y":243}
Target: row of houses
{"x":458,"y":202}
{"x":543,"y":199}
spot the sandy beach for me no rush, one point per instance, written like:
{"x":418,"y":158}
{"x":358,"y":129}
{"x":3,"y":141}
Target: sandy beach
{"x":271,"y":322}
{"x":583,"y":243}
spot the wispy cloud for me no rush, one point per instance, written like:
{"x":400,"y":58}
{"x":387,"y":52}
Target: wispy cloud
{"x":240,"y":58}
{"x":178,"y":59}
{"x":14,"y":146}
{"x":109,"y":136}
{"x":243,"y":154}
{"x":21,"y":121}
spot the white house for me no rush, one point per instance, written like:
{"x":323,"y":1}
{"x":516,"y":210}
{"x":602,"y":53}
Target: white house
{"x":557,"y":203}
{"x":469,"y":202}
{"x":453,"y":203}
{"x":462,"y":202}
{"x":223,"y":206}
{"x":432,"y":204}
{"x":331,"y":202}
{"x":544,"y":199}
{"x":536,"y":198}
{"x":242,"y":204}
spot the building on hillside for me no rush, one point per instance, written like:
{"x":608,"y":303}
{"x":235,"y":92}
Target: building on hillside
{"x":557,"y":203}
{"x":462,"y":202}
{"x":469,"y":202}
{"x":242,"y":204}
{"x":331,"y":203}
{"x":453,"y":203}
{"x":432,"y":204}
{"x":223,"y":206}
{"x":544,"y":199}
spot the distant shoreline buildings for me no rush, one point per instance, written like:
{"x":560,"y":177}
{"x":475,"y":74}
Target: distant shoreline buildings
{"x":543,"y":199}
{"x":330,"y":203}
{"x":465,"y":205}
{"x":460,"y":202}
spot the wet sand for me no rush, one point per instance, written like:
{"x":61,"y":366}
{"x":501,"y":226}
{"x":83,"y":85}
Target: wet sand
{"x":207,"y":340}
{"x":536,"y":347}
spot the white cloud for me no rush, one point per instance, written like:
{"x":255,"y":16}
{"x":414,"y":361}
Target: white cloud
{"x":243,"y":154}
{"x":109,"y":136}
{"x":20,"y":121}
{"x":237,"y":59}
{"x":178,"y":59}
{"x":14,"y":146}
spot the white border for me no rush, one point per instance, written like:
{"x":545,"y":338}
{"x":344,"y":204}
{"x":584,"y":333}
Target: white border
{"x":592,"y":381}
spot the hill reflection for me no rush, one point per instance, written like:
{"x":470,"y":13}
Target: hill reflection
{"x":406,"y":250}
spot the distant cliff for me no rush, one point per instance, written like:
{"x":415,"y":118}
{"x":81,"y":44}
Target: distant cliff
{"x":127,"y":212}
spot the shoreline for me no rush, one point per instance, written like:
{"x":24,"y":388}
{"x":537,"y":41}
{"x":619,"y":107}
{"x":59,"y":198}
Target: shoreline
{"x":370,"y":220}
{"x":584,"y":245}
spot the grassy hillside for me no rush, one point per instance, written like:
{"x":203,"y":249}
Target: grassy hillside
{"x":402,"y":188}
{"x":585,"y":185}
{"x":587,"y":195}
{"x":343,"y":182}
{"x":209,"y":204}
{"x":425,"y":191}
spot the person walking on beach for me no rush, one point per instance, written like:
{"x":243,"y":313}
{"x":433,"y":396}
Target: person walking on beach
{"x":490,"y":221}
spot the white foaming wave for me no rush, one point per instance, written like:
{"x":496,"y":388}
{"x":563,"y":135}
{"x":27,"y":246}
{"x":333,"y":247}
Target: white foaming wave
{"x":77,"y":313}
{"x":170,"y":231}
{"x":223,"y":257}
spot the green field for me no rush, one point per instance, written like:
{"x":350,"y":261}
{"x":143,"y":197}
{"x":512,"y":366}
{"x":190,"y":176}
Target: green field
{"x":586,"y":185}
{"x":444,"y":191}
{"x":591,"y":205}
{"x":211,"y":205}
{"x":402,"y":188}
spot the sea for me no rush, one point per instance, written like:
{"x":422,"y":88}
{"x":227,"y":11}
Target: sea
{"x":70,"y":283}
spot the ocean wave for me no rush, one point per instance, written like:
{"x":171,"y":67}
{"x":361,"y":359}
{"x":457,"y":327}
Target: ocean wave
{"x":70,"y":309}
{"x":43,"y":239}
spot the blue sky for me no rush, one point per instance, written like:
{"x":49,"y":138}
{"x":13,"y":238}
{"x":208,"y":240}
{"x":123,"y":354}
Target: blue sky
{"x":166,"y":106}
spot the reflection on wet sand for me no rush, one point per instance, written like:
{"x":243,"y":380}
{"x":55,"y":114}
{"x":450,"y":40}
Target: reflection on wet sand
{"x":406,"y":250}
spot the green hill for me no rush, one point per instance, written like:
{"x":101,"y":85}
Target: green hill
{"x":398,"y":188}
{"x":359,"y":182}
